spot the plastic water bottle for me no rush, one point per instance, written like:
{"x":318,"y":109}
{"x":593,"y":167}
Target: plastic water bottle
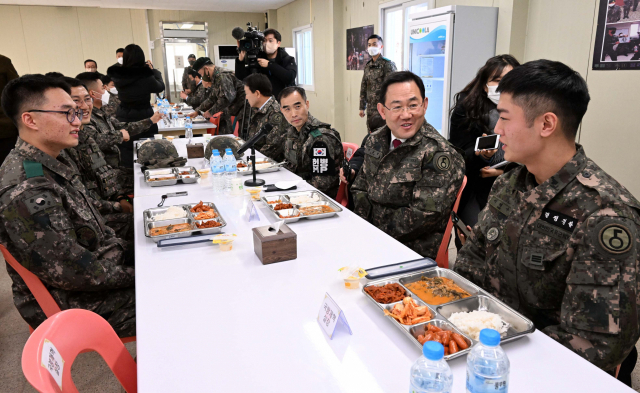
{"x":188,"y":129}
{"x":431,"y":373}
{"x":488,"y":365}
{"x":230,"y":168}
{"x":217,"y":171}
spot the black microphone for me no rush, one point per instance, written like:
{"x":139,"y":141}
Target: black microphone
{"x":237,"y":33}
{"x":262,"y":133}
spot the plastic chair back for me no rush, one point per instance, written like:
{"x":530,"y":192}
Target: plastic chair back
{"x":442,"y":259}
{"x":72,"y":332}
{"x":37,"y":288}
{"x":349,"y":149}
{"x":215,"y":119}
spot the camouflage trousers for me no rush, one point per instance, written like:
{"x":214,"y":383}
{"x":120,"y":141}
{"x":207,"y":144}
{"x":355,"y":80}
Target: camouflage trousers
{"x":125,"y":179}
{"x":118,"y":308}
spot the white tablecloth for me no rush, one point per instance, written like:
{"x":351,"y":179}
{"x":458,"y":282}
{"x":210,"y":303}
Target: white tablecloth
{"x":212,"y":321}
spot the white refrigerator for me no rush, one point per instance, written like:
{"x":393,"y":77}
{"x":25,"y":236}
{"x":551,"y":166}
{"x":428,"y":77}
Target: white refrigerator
{"x":447,"y":46}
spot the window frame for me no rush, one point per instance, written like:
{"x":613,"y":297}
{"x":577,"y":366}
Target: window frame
{"x":300,"y":56}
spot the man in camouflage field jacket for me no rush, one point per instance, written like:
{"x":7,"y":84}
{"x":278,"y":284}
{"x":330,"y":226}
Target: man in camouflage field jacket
{"x":375,"y":71}
{"x":411,"y":175}
{"x":265,"y":110}
{"x":558,"y":240}
{"x":313,"y":149}
{"x":47,"y":220}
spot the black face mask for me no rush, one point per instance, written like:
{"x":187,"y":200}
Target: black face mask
{"x":192,"y":62}
{"x":206,"y":77}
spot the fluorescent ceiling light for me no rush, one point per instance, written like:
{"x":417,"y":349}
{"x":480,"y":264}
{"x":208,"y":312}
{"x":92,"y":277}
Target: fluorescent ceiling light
{"x":186,"y":25}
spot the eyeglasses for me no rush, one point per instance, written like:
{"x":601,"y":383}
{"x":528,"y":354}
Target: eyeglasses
{"x":71,"y":113}
{"x":413,"y":108}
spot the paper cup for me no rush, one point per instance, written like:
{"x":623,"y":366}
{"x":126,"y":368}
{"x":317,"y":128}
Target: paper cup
{"x":157,"y":136}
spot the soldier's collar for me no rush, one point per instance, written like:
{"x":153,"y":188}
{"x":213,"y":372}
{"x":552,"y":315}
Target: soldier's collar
{"x":266,"y":105}
{"x":98,"y":111}
{"x":62,"y":165}
{"x":542,"y":194}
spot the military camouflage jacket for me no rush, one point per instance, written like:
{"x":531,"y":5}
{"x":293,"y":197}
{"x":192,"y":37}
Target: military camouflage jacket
{"x":299,"y":155}
{"x":49,"y":224}
{"x":105,"y":130}
{"x":226,"y":92}
{"x":272,"y":145}
{"x":565,"y":254}
{"x":374,"y":73}
{"x":409,"y":192}
{"x":186,"y":82}
{"x":111,"y":108}
{"x":197,"y":96}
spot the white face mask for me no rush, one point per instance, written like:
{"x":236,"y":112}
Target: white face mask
{"x":270,"y":48}
{"x":113,"y":90}
{"x":105,"y":98}
{"x":492,"y":94}
{"x":373,"y":50}
{"x":120,"y":60}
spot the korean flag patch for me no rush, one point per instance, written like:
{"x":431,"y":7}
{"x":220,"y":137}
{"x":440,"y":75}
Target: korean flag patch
{"x":321,"y":163}
{"x":320,"y":152}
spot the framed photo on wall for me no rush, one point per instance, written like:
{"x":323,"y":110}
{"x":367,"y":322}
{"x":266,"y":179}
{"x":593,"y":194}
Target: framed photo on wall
{"x":617,"y":45}
{"x":357,"y":55}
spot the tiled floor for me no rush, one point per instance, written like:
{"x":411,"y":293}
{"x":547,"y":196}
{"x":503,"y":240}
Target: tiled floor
{"x":90,"y":372}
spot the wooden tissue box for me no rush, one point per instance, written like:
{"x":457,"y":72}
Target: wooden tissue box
{"x":275,"y":247}
{"x":195,"y":150}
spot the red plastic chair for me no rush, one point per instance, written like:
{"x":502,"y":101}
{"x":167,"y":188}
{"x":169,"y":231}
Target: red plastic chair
{"x":215,"y":119}
{"x":38,"y":290}
{"x":72,"y":332}
{"x":442,"y":259}
{"x":349,"y":149}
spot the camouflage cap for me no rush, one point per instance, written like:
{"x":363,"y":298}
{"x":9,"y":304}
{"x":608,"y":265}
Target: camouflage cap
{"x":156,"y":149}
{"x":221,"y":143}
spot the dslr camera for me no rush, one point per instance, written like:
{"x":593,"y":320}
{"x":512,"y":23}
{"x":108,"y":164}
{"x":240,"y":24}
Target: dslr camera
{"x":251,"y":43}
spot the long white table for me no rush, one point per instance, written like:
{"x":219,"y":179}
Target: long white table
{"x":212,"y":321}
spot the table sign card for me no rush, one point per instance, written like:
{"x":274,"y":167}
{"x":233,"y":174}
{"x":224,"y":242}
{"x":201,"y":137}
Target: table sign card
{"x":52,"y":361}
{"x":252,"y":213}
{"x":329,"y":315}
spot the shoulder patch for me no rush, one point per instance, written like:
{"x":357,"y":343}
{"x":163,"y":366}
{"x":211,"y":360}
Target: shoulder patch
{"x":442,"y":161}
{"x":276,"y":118}
{"x":315,"y":133}
{"x":614,"y":237}
{"x":40,"y":202}
{"x":32,"y":169}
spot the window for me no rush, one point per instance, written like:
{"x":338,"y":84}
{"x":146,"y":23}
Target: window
{"x":303,"y":42}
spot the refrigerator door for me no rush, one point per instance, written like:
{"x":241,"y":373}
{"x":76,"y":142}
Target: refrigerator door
{"x":430,"y":41}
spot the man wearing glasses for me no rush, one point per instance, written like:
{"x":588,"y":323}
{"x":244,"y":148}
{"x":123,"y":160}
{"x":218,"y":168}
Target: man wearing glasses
{"x":48,"y":221}
{"x":411,"y":175}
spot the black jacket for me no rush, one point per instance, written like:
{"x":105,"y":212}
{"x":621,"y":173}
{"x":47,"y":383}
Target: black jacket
{"x":281,"y":71}
{"x":135,"y":86}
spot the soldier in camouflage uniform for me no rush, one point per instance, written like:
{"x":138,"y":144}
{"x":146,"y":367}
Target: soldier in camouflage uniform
{"x":227,"y":92}
{"x":188,"y":85}
{"x":198,"y":95}
{"x":305,"y":137}
{"x":375,"y":71}
{"x":265,"y":109}
{"x":47,"y":220}
{"x":407,"y":187}
{"x":114,"y":101}
{"x":558,"y":240}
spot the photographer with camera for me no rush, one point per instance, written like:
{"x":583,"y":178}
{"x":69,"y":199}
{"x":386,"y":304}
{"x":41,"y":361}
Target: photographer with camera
{"x":272,"y":60}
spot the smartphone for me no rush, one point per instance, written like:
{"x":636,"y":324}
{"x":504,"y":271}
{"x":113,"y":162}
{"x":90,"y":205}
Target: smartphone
{"x":460,"y":225}
{"x":490,"y":142}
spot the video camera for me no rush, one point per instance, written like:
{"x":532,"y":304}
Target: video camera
{"x":251,"y":43}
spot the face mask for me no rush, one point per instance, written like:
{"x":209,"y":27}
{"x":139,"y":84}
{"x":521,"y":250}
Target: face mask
{"x":104,"y":98}
{"x":113,"y":90}
{"x":492,"y":94}
{"x":192,"y":62}
{"x":270,"y":48}
{"x":373,"y":50}
{"x":206,"y":77}
{"x":120,"y":60}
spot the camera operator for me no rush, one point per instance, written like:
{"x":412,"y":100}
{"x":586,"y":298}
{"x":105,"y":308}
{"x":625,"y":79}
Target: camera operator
{"x":274,"y":62}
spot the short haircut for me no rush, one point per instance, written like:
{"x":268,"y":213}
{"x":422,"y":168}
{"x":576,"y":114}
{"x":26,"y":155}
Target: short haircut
{"x":377,"y":37}
{"x":27,"y":93}
{"x":54,"y":74}
{"x":194,"y":73}
{"x":90,"y":60}
{"x":73,"y":82}
{"x":400,"y":77}
{"x":106,"y":79}
{"x":191,"y":56}
{"x":89,"y":79}
{"x":275,"y":33}
{"x":259,"y":82}
{"x":543,"y":86}
{"x":287,"y":91}
{"x":119,"y":50}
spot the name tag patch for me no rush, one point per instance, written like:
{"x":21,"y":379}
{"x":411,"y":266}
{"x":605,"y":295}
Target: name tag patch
{"x":551,"y":230}
{"x":559,"y":220}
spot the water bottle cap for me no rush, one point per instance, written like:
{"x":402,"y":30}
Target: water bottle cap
{"x":188,"y":117}
{"x":215,"y":152}
{"x":433,"y":350}
{"x":489,"y":337}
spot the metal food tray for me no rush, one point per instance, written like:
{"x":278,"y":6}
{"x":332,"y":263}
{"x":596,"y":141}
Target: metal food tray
{"x":248,"y":172}
{"x":285,"y":198}
{"x":150,"y":174}
{"x":520,"y":326}
{"x":150,"y":222}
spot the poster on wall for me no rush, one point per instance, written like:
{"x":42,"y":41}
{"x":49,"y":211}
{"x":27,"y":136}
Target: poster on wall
{"x":617,"y":45}
{"x":357,"y":55}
